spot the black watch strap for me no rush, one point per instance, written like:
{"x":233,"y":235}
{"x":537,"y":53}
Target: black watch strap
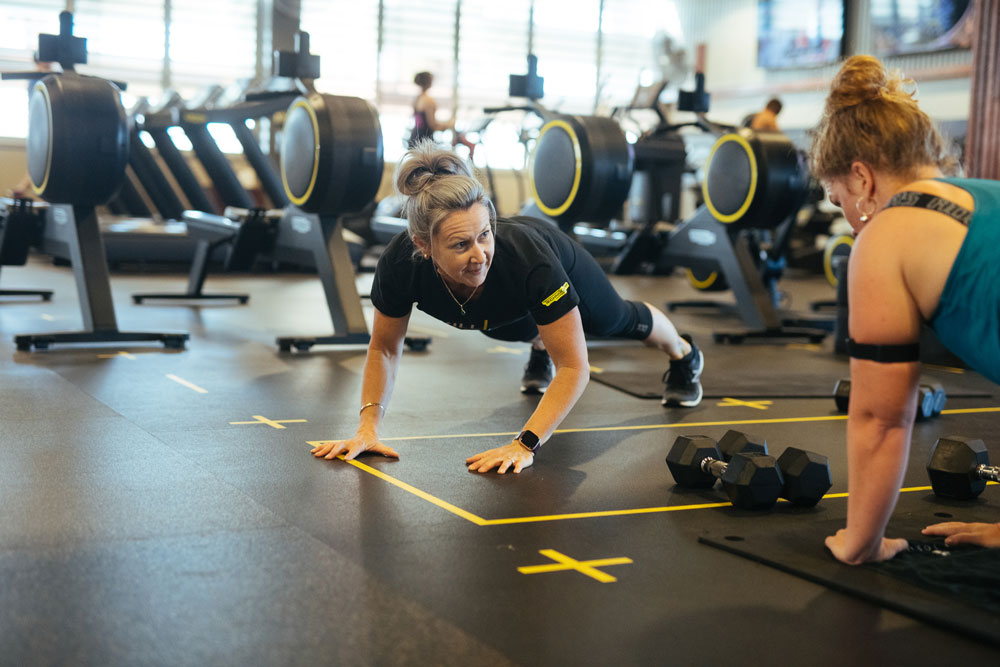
{"x":528,"y":440}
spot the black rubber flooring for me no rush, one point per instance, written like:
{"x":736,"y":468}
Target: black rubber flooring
{"x":162,"y":507}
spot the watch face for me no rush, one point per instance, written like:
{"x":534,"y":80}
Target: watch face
{"x":528,"y":439}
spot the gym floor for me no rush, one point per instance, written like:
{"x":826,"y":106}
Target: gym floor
{"x":162,"y":507}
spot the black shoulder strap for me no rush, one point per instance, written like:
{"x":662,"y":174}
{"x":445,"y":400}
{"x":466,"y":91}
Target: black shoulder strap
{"x":932,"y":203}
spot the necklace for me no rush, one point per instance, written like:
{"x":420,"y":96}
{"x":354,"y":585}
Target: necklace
{"x":461,"y":304}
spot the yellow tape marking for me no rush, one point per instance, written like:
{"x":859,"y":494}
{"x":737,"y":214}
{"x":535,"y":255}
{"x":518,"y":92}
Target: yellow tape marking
{"x":121,"y":353}
{"x":458,"y":511}
{"x":807,"y":347}
{"x":645,"y":427}
{"x":273,"y":423}
{"x":48,"y":318}
{"x":186,"y":383}
{"x":587,"y":567}
{"x":946,"y":369}
{"x":731,"y":402}
{"x":599,"y":514}
{"x":595,"y":369}
{"x":479,"y":521}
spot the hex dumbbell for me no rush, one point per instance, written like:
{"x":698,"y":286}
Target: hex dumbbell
{"x":752,"y":481}
{"x":960,"y":467}
{"x":801,"y":477}
{"x":806,"y":474}
{"x":931,"y":398}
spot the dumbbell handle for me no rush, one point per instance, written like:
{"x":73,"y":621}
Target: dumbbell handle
{"x":713,"y":467}
{"x":991,"y":473}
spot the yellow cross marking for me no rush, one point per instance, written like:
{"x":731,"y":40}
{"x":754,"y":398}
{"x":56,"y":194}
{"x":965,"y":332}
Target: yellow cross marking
{"x":121,"y":353}
{"x":500,"y":349}
{"x":757,"y":405}
{"x":595,"y":369}
{"x":273,"y":423}
{"x":587,"y":567}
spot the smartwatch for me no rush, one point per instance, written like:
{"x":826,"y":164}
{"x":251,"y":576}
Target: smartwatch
{"x":528,"y":440}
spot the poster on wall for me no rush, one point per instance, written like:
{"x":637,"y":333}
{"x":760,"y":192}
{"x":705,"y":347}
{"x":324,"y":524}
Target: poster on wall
{"x":920,"y":26}
{"x":793,"y":33}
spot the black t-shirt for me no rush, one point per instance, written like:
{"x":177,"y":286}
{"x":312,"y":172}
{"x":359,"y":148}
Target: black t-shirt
{"x":528,"y":277}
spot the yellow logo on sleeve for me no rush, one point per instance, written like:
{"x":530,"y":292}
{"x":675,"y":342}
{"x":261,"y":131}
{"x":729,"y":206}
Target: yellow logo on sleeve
{"x":555,"y":296}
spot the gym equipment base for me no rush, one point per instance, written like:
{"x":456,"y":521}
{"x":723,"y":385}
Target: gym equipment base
{"x":286,"y":343}
{"x":701,"y":242}
{"x":42,"y":341}
{"x":75,"y":229}
{"x":173,"y":296}
{"x":44,"y":294}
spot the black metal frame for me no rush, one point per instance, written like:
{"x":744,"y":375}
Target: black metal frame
{"x":75,"y":229}
{"x":701,"y":242}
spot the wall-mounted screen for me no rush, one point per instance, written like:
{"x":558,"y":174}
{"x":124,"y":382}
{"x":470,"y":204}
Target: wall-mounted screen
{"x":919,"y":26}
{"x":799,"y":33}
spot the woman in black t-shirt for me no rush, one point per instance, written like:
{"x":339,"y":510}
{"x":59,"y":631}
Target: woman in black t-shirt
{"x":516,"y":280}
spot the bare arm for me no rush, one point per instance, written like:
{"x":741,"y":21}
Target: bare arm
{"x":567,"y":346}
{"x":381,"y":364}
{"x":883,"y":396}
{"x":880,"y":422}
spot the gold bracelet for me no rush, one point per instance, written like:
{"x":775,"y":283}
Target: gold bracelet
{"x":368,"y":405}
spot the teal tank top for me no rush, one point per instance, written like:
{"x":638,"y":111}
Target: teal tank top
{"x":967,"y":319}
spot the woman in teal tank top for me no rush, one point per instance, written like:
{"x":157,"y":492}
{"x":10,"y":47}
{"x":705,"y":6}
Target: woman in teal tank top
{"x":926,"y":250}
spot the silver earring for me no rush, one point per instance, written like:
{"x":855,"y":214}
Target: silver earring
{"x":866,"y":215}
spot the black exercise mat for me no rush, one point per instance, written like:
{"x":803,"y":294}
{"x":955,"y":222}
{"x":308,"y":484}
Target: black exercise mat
{"x":733,"y":371}
{"x":943,"y":587}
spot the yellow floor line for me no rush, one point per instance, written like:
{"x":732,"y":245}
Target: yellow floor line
{"x":458,"y":511}
{"x":643,"y":427}
{"x":480,"y":521}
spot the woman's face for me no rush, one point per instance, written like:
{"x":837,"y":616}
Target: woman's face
{"x":462,"y":246}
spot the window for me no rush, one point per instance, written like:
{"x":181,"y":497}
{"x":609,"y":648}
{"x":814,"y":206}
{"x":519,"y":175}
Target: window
{"x":22,"y":21}
{"x":211,"y":43}
{"x":566,"y":46}
{"x":344,"y":34}
{"x":627,"y":50}
{"x":124,"y":41}
{"x":493,"y":44}
{"x":417,"y":35}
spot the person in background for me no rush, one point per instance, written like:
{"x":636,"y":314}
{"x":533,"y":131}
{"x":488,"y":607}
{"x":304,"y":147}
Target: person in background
{"x":926,"y":251}
{"x":766,"y":120}
{"x":425,"y":122}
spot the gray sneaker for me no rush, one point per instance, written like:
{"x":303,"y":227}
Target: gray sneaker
{"x":683,"y":388}
{"x":538,"y":373}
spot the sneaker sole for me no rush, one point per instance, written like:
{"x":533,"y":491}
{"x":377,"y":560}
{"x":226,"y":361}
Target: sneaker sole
{"x":533,"y":390}
{"x":691,"y":403}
